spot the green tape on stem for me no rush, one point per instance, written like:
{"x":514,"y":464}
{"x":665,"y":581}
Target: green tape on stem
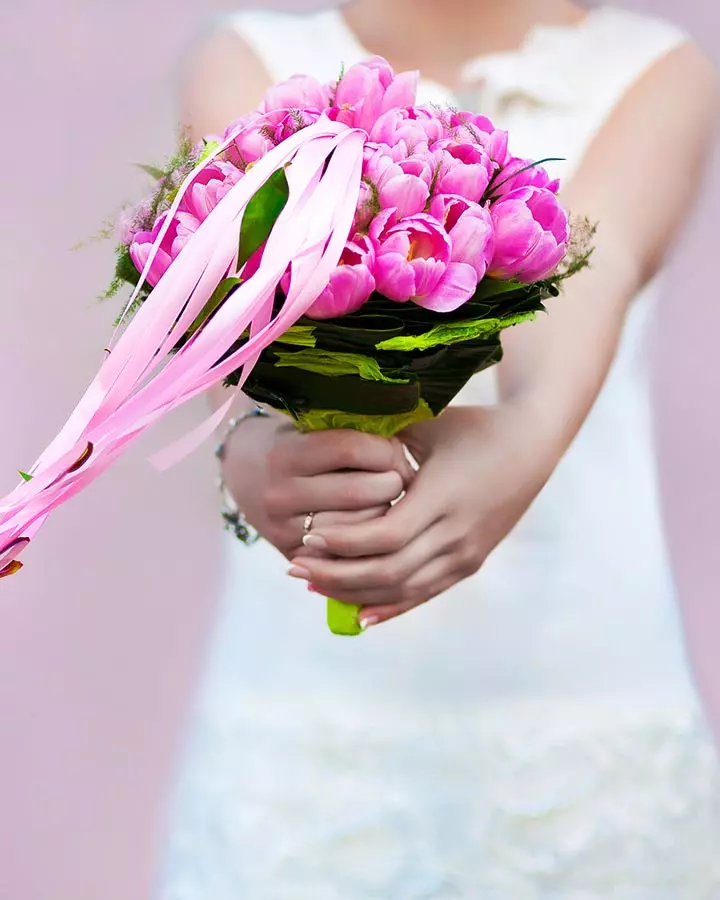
{"x":342,"y":618}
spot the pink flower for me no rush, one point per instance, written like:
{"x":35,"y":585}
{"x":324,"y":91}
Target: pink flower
{"x":253,"y":142}
{"x":367,"y":90}
{"x":402,"y":130}
{"x":351,"y":282}
{"x":518,"y":173}
{"x":390,"y":187}
{"x":467,"y":127}
{"x":531,"y":235}
{"x":169,"y":248}
{"x":294,"y":121}
{"x":463,"y":168}
{"x":413,"y":261}
{"x":209,"y":186}
{"x":297,"y":93}
{"x":470,"y":228}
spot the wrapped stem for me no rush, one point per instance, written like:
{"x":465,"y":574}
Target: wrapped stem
{"x":343,"y":618}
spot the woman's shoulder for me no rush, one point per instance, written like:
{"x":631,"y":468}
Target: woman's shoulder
{"x":291,"y":42}
{"x":615,"y":50}
{"x":621,"y":43}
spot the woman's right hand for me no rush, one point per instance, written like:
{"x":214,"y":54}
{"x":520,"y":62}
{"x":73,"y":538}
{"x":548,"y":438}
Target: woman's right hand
{"x":278,"y":475}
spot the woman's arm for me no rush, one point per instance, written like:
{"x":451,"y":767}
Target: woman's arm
{"x":482,"y":467}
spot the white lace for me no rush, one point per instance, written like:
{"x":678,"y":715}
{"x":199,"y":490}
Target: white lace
{"x":306,"y":805}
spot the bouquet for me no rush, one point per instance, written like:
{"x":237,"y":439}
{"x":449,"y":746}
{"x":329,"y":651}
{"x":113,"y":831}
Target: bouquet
{"x":341,"y":254}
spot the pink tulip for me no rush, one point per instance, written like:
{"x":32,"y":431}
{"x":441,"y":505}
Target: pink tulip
{"x":531,"y":235}
{"x":301,"y":92}
{"x":367,"y":90}
{"x":208,"y":188}
{"x":253,"y":142}
{"x":518,"y":173}
{"x":351,"y":282}
{"x":413,"y":261}
{"x":463,"y":168}
{"x":466,"y":126}
{"x":294,"y":121}
{"x":470,"y":228}
{"x":142,"y":245}
{"x":391,"y":187}
{"x":403,"y":130}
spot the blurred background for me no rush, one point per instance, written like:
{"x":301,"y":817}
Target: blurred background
{"x":101,"y":637}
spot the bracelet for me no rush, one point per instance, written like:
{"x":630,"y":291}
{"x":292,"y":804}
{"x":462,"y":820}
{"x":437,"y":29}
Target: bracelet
{"x":233,"y":517}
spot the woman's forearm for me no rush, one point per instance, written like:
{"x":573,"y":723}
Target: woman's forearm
{"x":554,"y":368}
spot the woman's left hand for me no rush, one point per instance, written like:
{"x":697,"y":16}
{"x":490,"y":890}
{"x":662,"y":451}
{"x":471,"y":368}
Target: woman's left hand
{"x":477,"y":477}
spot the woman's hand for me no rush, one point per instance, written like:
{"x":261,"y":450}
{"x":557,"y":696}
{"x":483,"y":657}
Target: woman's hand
{"x":277,"y":476}
{"x":477,"y":477}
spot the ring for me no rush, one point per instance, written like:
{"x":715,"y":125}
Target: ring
{"x":308,"y":523}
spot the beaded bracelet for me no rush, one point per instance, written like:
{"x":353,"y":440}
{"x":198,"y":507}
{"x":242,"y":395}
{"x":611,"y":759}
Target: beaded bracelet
{"x":233,"y":517}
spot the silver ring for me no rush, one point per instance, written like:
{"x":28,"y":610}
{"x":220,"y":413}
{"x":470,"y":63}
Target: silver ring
{"x":308,"y":523}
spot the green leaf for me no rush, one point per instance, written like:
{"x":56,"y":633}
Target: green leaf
{"x":299,"y":336}
{"x":383,"y":425}
{"x":152,"y":171}
{"x":208,"y":149}
{"x":219,"y":295}
{"x":260,"y":215}
{"x":491,"y":287}
{"x":125,"y":268}
{"x":454,"y":333}
{"x":333,"y":364}
{"x":25,"y":476}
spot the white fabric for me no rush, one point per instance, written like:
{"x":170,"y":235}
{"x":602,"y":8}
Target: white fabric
{"x":533,"y":733}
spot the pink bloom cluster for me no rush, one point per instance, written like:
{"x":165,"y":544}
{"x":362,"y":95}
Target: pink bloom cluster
{"x":443,"y":203}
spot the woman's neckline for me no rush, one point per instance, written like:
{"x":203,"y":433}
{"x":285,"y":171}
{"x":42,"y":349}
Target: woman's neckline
{"x":535,"y":33}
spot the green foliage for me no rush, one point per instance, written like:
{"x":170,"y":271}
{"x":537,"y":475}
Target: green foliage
{"x":125,"y":273}
{"x":455,"y":333}
{"x":299,"y":336}
{"x":333,"y":364}
{"x":219,"y":295}
{"x":25,"y":476}
{"x":152,"y":171}
{"x":384,"y":425}
{"x":580,"y":251}
{"x":260,"y":215}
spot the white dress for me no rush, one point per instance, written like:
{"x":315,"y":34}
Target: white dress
{"x":531,"y":735}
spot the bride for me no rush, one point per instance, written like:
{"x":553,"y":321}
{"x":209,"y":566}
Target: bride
{"x":530,"y":729}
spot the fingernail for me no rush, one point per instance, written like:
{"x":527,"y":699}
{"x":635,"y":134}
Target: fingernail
{"x":314,"y":541}
{"x":313,"y":589}
{"x":368,"y":621}
{"x":299,"y":572}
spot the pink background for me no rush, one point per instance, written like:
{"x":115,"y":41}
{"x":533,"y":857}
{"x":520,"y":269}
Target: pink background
{"x":101,"y":637}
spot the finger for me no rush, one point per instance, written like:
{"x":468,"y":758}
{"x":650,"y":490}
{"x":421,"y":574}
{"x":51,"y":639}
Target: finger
{"x":328,"y":519}
{"x":401,"y":462}
{"x":404,"y":523}
{"x":337,"y":576}
{"x":330,"y":492}
{"x":430,"y":582}
{"x":371,"y":616}
{"x":295,"y":530}
{"x":331,"y":451}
